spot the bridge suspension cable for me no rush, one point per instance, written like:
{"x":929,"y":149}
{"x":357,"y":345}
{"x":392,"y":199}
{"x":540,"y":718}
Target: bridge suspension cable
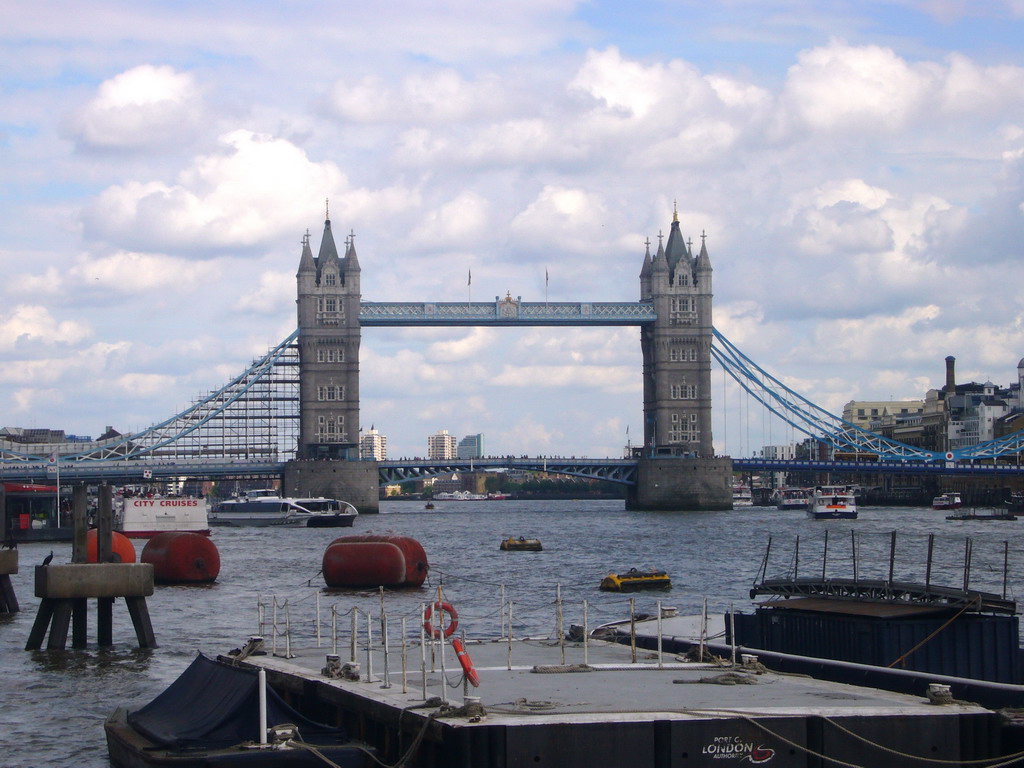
{"x":803,"y":415}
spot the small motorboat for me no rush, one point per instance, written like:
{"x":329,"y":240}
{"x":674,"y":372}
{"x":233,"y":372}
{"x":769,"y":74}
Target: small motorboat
{"x":429,"y":505}
{"x":947,"y":501}
{"x":209,"y":716}
{"x":634,"y":580}
{"x":520,"y":544}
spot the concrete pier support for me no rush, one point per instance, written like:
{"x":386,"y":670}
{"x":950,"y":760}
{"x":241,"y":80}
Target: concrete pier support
{"x":64,"y":590}
{"x":8,"y":566}
{"x":352,"y":481}
{"x":682,"y":484}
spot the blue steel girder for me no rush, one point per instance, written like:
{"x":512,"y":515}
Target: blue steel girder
{"x":622,"y":471}
{"x":505,"y":312}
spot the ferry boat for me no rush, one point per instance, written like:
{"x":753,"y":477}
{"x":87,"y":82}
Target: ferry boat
{"x":459,"y":496}
{"x":832,"y":502}
{"x":742,"y":497}
{"x":264,"y":511}
{"x":792,"y":498}
{"x":947,"y":501}
{"x":634,"y":580}
{"x":142,"y":518}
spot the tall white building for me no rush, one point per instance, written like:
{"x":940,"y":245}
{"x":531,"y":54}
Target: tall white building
{"x":373,"y":445}
{"x":442,"y":446}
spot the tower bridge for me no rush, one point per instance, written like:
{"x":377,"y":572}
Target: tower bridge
{"x":295,"y":411}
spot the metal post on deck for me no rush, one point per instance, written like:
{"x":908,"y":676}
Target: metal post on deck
{"x":732,"y":632}
{"x":334,"y":630}
{"x":558,"y":621}
{"x":387,"y":657}
{"x":318,"y":618}
{"x":439,"y":639}
{"x":465,"y":677}
{"x":273,"y":642}
{"x":423,"y":648}
{"x":703,"y":628}
{"x":262,"y":674}
{"x":405,"y":660}
{"x":287,"y":630}
{"x":353,"y":641}
{"x":369,"y":647}
{"x":928,"y":568}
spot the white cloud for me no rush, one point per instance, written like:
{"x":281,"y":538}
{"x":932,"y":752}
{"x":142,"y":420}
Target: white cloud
{"x":144,"y":107}
{"x":33,"y":324}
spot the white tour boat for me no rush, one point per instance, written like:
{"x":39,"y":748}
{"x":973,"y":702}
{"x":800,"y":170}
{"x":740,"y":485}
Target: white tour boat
{"x":792,"y":498}
{"x":142,"y":518}
{"x":832,"y":502}
{"x":263,"y":511}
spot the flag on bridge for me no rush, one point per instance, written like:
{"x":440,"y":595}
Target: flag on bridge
{"x":470,"y":280}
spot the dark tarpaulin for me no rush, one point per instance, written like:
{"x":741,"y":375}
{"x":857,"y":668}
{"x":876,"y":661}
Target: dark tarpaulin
{"x":213,"y":706}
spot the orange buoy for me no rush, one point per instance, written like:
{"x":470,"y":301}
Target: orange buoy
{"x":181,"y":557}
{"x":449,"y":628}
{"x":466,"y":662}
{"x":363,"y":564}
{"x":120,"y":546}
{"x":416,"y":565}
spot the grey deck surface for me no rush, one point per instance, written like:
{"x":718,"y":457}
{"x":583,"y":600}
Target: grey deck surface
{"x":616,"y":690}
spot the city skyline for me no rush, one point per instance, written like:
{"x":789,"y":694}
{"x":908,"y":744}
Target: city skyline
{"x":858,"y":170}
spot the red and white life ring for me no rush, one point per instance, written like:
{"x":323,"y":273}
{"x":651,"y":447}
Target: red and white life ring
{"x":452,"y":625}
{"x":466,"y":662}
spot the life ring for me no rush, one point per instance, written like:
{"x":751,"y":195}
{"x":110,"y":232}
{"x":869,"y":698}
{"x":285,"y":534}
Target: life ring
{"x":452,"y":615}
{"x":466,"y":662}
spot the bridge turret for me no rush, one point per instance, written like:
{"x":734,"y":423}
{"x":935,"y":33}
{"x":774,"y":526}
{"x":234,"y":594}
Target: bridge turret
{"x":645,"y":272}
{"x":677,"y":350}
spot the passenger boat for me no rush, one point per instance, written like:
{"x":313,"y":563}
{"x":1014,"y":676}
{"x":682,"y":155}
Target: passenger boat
{"x":1016,"y":502}
{"x":634,"y":580}
{"x":520,"y":544}
{"x":947,"y":501}
{"x":832,"y":502}
{"x":742,"y":497}
{"x":141,"y":518}
{"x":261,"y":511}
{"x":792,"y":498}
{"x":459,"y":496}
{"x":211,"y":716}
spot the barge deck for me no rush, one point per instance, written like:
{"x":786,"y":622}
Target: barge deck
{"x":574,"y":706}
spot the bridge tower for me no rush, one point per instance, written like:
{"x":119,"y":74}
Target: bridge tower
{"x":677,"y":348}
{"x":329,"y":336}
{"x":678,"y":468}
{"x":328,"y":301}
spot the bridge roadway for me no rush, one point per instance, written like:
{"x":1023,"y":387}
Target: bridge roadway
{"x":622,"y":471}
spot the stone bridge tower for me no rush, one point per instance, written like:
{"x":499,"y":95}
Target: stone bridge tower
{"x":678,"y":468}
{"x":328,"y":301}
{"x":329,"y":335}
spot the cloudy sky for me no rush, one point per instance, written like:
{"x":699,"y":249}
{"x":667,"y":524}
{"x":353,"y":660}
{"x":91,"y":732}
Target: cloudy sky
{"x":858,"y":168}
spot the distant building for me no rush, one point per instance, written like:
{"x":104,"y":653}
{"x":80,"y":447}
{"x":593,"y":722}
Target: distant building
{"x":373,"y":445}
{"x":441,"y":446}
{"x":864,"y":412}
{"x":471,"y":447}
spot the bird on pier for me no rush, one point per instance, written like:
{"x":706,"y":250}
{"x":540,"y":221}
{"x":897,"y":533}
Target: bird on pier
{"x":48,"y":558}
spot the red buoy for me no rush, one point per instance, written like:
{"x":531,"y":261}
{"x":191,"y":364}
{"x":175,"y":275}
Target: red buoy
{"x":416,"y":565}
{"x":364,"y":564}
{"x":181,"y":557}
{"x":120,"y":546}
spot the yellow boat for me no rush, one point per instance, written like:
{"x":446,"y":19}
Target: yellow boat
{"x":634,"y":579}
{"x":521,"y":544}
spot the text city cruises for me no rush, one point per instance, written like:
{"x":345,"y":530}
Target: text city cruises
{"x":263,"y":511}
{"x":142,"y":518}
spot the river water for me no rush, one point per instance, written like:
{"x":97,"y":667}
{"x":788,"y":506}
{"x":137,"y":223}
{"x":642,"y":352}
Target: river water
{"x":53,"y":703}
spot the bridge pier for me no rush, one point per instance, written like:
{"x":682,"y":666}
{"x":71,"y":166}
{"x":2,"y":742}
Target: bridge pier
{"x":681,"y":484}
{"x":352,"y":481}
